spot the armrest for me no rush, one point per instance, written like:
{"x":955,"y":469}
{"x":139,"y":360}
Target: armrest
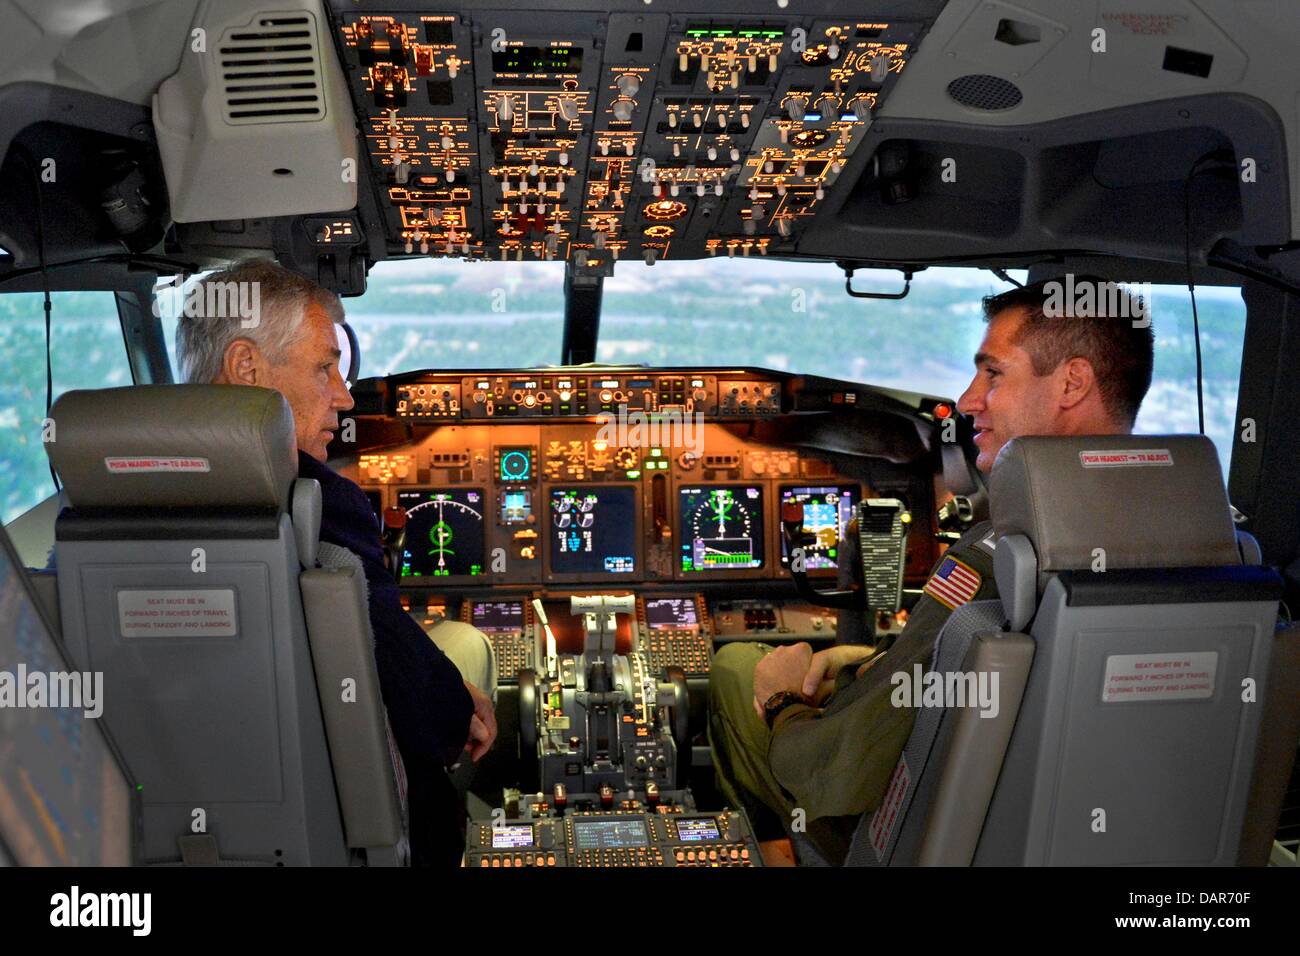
{"x":974,"y":759}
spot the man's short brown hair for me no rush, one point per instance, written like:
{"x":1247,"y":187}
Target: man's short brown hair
{"x":1120,"y":350}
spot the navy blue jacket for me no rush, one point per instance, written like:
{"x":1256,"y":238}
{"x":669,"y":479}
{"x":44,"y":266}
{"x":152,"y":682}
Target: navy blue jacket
{"x":428,"y":706}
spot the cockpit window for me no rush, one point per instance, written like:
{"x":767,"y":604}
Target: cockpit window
{"x":87,"y":351}
{"x":450,"y":314}
{"x":796,"y":317}
{"x":1170,"y":405}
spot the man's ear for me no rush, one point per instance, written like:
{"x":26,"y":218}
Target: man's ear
{"x":243,"y":364}
{"x":1078,"y":381}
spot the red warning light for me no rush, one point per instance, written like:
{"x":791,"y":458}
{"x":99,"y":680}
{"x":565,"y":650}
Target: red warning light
{"x":942,"y":411}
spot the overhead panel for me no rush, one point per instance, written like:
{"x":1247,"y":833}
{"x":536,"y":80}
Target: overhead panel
{"x":598,"y":137}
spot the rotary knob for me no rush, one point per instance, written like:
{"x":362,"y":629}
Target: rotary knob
{"x":623,"y":110}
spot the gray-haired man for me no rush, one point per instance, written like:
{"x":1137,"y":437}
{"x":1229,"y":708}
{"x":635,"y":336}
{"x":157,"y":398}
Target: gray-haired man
{"x":291,"y":345}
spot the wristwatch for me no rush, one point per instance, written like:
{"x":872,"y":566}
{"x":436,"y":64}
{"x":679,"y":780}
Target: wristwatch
{"x":779,"y":702}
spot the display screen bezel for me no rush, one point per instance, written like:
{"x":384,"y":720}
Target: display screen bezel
{"x":549,"y":544}
{"x":854,"y":487}
{"x":429,"y":580}
{"x":680,"y":536}
{"x":595,"y":824}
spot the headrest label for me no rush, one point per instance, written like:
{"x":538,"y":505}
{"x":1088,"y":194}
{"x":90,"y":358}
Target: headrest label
{"x":1125,"y":458}
{"x":121,"y":466}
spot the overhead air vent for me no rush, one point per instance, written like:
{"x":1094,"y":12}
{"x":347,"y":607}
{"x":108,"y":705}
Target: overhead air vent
{"x":1017,"y":33}
{"x":980,"y":91}
{"x":270,"y":70}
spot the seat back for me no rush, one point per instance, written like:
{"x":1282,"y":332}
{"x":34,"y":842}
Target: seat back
{"x":178,"y":566}
{"x":1136,"y":736}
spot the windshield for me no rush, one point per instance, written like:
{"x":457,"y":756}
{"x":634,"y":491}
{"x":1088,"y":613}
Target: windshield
{"x":789,"y":316}
{"x":449,"y":314}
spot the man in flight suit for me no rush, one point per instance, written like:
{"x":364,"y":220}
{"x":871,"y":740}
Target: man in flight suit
{"x":817,"y":731}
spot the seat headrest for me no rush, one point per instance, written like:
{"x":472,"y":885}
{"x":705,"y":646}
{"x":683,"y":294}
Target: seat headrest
{"x":1145,"y":500}
{"x":174,"y":446}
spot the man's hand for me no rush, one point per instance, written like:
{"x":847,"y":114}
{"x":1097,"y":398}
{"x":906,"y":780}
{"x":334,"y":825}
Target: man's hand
{"x":482,"y":726}
{"x":825,"y":666}
{"x":783,"y":669}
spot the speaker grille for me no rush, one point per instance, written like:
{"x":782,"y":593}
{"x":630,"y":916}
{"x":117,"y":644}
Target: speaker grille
{"x":980,"y":91}
{"x":270,"y":71}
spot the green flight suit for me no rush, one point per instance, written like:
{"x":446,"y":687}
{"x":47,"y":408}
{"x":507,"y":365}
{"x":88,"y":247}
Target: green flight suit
{"x":834,"y":761}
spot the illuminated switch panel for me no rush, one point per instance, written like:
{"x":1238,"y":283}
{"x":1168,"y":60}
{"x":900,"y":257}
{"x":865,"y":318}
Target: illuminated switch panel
{"x":387,"y":469}
{"x":428,"y":401}
{"x":766,"y":464}
{"x":749,"y":398}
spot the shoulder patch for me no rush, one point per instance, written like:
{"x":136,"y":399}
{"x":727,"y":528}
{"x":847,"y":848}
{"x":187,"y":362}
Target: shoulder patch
{"x":987,"y":543}
{"x":953,"y":583}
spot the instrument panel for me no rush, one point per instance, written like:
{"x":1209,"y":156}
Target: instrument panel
{"x":668,"y":488}
{"x":492,"y":504}
{"x":590,"y":137}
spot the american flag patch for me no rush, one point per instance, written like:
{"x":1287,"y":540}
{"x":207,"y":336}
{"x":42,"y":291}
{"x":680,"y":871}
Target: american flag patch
{"x":953,"y":584}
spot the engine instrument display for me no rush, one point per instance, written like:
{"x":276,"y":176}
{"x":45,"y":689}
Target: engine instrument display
{"x":593,"y":530}
{"x":721,"y":527}
{"x":444,"y":532}
{"x":827,"y":511}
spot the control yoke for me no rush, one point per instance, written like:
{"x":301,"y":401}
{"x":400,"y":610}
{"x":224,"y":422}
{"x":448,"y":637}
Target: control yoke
{"x":795,"y":541}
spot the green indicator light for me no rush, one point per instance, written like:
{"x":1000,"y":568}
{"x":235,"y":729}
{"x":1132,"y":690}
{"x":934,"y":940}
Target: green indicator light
{"x":656,"y":452}
{"x":634,"y":474}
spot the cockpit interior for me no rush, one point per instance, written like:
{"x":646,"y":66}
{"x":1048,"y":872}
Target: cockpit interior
{"x":660,"y":319}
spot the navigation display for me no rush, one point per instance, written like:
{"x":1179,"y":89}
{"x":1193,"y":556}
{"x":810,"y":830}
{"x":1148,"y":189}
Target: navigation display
{"x":671,"y":614}
{"x":827,"y":511}
{"x":444,"y":532}
{"x":593,"y":530}
{"x":609,"y":834}
{"x":498,"y":617}
{"x":721,"y":527}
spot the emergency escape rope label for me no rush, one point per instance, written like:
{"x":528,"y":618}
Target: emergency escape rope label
{"x":1185,"y":676}
{"x":209,"y":613}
